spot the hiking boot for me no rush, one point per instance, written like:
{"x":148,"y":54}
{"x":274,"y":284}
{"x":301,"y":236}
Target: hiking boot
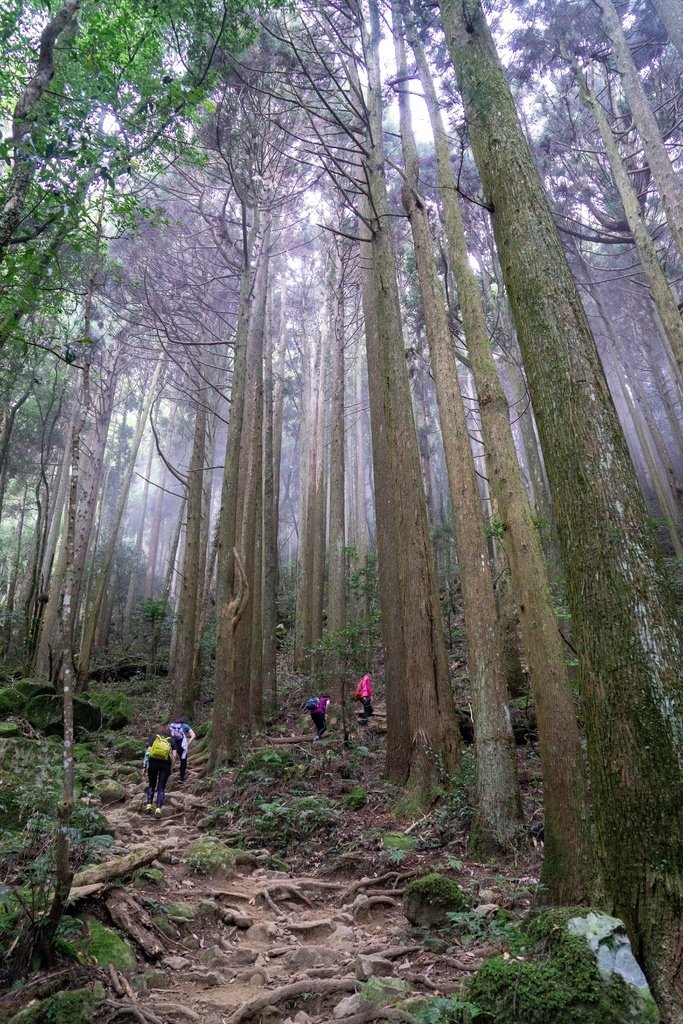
{"x":148,"y":809}
{"x":157,"y":813}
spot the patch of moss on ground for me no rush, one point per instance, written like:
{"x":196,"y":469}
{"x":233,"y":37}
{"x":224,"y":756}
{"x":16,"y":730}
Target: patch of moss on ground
{"x":106,"y":946}
{"x":63,"y":1008}
{"x":399,"y":841}
{"x":148,"y":876}
{"x":357,"y":798}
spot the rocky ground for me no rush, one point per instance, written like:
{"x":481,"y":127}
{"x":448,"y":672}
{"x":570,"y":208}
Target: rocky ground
{"x":276,"y":890}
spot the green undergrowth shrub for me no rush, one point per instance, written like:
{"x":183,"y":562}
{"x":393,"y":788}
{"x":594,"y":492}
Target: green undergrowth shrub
{"x":264,"y":766}
{"x":31,"y":774}
{"x":285,"y":821}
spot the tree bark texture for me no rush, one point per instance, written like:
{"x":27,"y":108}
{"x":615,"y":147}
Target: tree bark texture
{"x":622,"y":608}
{"x":434,"y":747}
{"x":498,"y":811}
{"x":566,"y":872}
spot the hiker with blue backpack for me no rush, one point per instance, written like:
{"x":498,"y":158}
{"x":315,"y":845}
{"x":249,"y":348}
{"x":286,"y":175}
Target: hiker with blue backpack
{"x":317,"y":707}
{"x":184,"y":734}
{"x":161,"y":751}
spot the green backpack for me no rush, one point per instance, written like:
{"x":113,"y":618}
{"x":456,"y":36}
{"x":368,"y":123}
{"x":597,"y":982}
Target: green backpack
{"x":161,"y":748}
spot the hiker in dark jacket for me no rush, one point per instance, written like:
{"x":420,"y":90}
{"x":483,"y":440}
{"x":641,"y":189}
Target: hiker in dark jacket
{"x":162,"y":748}
{"x":317,"y":706}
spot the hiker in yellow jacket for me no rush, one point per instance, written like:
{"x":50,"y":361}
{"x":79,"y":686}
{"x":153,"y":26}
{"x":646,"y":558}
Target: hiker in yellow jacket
{"x":161,"y":751}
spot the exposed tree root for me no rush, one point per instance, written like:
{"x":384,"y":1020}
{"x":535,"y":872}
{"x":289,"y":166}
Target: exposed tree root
{"x":372,"y":901}
{"x":380,"y":1013}
{"x":313,"y":986}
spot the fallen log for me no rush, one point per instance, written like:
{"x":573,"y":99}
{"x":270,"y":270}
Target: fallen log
{"x":82,"y":892}
{"x":128,"y":915}
{"x":313,"y":986}
{"x":120,"y":866}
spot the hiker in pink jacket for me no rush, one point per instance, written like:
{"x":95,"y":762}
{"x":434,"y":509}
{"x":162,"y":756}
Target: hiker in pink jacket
{"x":364,"y":695}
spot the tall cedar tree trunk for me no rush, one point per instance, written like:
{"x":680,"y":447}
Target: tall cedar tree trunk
{"x":270,"y":507}
{"x":665,"y":177}
{"x":336,"y":602}
{"x":186,"y":635}
{"x":308,"y":598}
{"x":133,"y":583}
{"x":498,"y":812}
{"x":623,"y":611}
{"x":317,"y":580}
{"x":50,"y":551}
{"x":90,"y":474}
{"x":662,"y":293}
{"x":250,"y":486}
{"x":206,"y":550}
{"x":567,"y":855}
{"x":93,"y":612}
{"x":224,"y":732}
{"x":434,"y":744}
{"x":386,"y":518}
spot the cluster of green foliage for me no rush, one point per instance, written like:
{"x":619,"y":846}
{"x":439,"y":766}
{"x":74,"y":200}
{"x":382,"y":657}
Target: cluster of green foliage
{"x":28,"y":814}
{"x":282,"y":823}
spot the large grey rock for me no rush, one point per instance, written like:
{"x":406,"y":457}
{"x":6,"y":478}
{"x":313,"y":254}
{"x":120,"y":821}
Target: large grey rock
{"x":347,"y":1007}
{"x":373,"y":967}
{"x":266,"y":931}
{"x":607,"y":937}
{"x":312,"y":956}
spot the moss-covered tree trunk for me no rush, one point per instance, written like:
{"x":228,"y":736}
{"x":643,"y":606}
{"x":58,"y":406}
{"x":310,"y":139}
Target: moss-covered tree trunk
{"x":184,"y":662}
{"x":336,"y":605}
{"x":624,"y":617}
{"x":250,"y":483}
{"x":567,"y":853}
{"x":224,"y":735}
{"x":498,"y":810}
{"x":415,"y":605}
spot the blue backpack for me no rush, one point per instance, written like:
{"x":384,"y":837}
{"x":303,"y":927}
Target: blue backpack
{"x":311,"y":703}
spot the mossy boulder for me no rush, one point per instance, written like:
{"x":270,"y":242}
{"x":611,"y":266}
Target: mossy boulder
{"x":127,"y":749}
{"x":579,"y":970}
{"x":111,"y":792}
{"x":429,"y":900}
{"x":383,"y":991}
{"x":45,"y":712}
{"x":8,"y":729}
{"x":76,"y":1007}
{"x":116,"y":707}
{"x":148,"y":876}
{"x":209,"y":856}
{"x":180,"y":913}
{"x":106,"y":946}
{"x":15,"y":696}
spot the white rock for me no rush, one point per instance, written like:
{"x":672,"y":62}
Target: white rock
{"x":347,"y":1007}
